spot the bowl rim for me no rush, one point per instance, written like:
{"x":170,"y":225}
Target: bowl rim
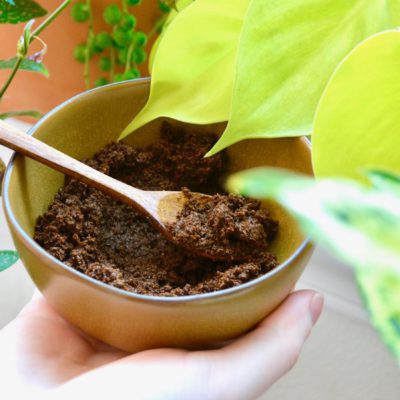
{"x":30,"y":242}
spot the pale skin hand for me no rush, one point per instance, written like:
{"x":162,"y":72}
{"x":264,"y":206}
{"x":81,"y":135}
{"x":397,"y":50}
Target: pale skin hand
{"x":42,"y":355}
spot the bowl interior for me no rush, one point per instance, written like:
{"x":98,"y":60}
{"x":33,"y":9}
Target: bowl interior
{"x":85,"y":124}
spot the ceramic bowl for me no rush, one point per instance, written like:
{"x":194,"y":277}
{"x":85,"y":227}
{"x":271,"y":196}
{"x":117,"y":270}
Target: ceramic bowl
{"x":82,"y":126}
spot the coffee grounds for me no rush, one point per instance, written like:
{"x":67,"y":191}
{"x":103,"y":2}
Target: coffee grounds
{"x":111,"y":242}
{"x":225,"y":227}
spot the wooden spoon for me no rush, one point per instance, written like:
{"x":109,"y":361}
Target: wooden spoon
{"x":161,"y":206}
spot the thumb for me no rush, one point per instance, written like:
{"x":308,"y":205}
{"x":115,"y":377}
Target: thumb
{"x":249,"y":366}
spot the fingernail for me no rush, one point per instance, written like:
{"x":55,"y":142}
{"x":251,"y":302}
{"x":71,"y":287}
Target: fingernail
{"x":316,"y":305}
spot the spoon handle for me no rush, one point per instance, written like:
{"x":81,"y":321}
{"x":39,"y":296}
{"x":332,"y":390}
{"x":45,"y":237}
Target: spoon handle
{"x":19,"y":141}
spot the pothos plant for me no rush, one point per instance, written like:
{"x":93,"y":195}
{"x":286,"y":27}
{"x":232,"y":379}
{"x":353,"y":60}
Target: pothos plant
{"x":122,"y":48}
{"x":13,"y":12}
{"x":329,"y":69}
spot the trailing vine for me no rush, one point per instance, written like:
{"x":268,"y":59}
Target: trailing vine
{"x":122,"y":48}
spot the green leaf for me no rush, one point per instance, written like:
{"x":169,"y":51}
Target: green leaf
{"x":358,"y":224}
{"x":27,"y":65}
{"x":7,"y":259}
{"x":21,"y":113}
{"x":194,"y":65}
{"x":288,"y":50}
{"x":21,"y":11}
{"x":357,"y":123}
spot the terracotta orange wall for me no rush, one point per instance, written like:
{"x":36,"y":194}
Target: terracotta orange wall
{"x":31,"y":90}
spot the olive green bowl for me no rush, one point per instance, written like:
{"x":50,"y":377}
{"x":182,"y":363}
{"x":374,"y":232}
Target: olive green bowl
{"x":82,"y":126}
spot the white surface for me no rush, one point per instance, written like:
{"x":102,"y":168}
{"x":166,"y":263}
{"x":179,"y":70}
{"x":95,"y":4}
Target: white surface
{"x":16,"y":288}
{"x":343,"y":359}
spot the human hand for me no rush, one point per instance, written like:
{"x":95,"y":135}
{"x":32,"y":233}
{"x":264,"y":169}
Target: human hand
{"x":43,"y":355}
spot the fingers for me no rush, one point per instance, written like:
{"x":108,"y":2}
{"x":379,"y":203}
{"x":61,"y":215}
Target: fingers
{"x":38,"y":306}
{"x":249,"y":366}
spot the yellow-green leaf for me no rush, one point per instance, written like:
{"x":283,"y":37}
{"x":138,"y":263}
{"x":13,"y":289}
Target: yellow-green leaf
{"x":194,"y":65}
{"x":358,"y":121}
{"x":288,"y":51}
{"x":179,"y":6}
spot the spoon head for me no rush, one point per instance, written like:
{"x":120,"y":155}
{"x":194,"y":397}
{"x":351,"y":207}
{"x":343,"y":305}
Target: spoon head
{"x":170,"y":209}
{"x":170,"y":204}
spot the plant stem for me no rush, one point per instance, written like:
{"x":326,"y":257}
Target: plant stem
{"x":11,"y":77}
{"x":161,"y":21}
{"x":125,"y":7}
{"x":90,"y":36}
{"x":49,"y":20}
{"x":129,"y":56}
{"x":112,"y":70}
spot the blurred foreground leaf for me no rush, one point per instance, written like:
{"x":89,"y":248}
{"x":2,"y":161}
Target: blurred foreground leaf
{"x":359,"y":224}
{"x":381,"y":295}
